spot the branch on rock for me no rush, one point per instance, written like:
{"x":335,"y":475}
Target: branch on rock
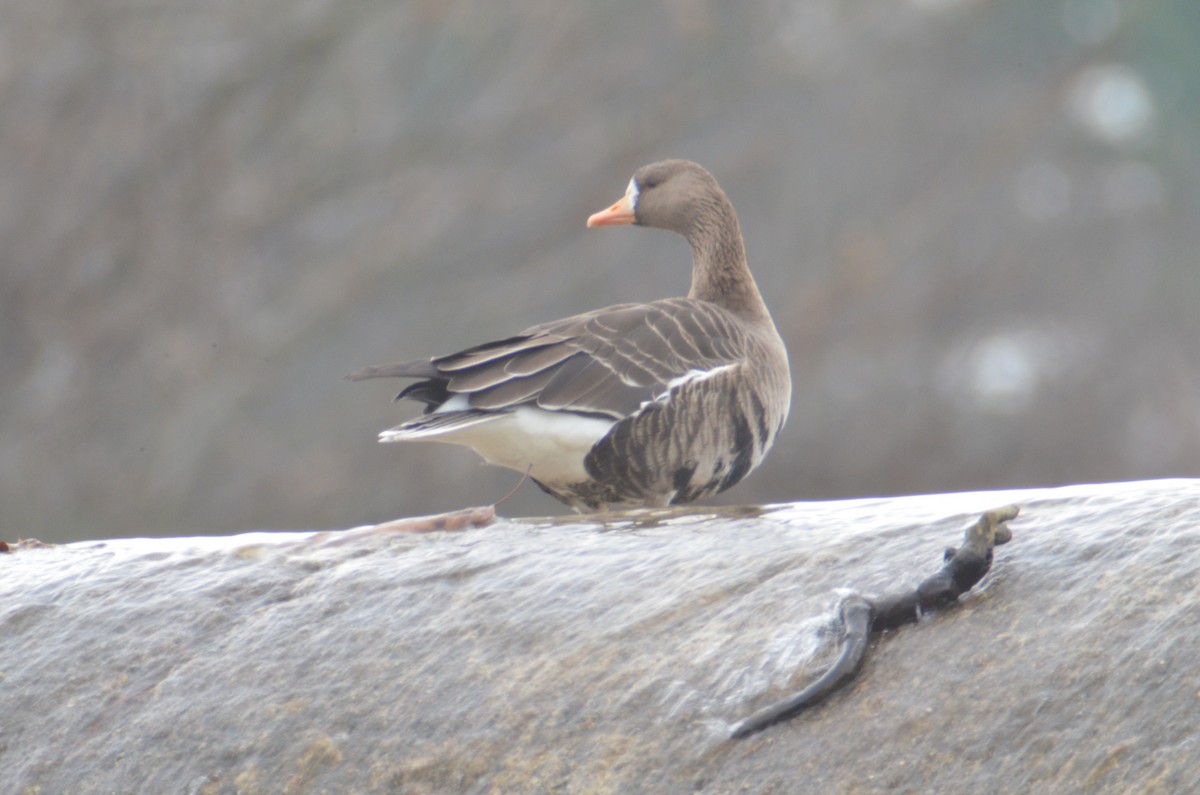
{"x":859,"y":616}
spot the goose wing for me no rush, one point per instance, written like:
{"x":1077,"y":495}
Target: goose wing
{"x":606,"y":363}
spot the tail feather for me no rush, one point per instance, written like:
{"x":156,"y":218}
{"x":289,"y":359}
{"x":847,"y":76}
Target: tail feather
{"x":422,"y":368}
{"x":432,"y":393}
{"x":437,"y":424}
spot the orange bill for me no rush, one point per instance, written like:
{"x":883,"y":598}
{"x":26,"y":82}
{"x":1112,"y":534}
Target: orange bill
{"x":619,"y":213}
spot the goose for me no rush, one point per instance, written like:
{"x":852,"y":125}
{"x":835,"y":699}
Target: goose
{"x":634,"y":405}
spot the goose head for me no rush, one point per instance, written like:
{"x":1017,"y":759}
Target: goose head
{"x":677,"y":195}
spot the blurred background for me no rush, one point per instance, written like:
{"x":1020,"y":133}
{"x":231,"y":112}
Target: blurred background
{"x":977,"y":223}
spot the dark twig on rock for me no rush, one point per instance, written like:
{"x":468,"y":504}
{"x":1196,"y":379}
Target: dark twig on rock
{"x":854,"y":613}
{"x":859,"y":616}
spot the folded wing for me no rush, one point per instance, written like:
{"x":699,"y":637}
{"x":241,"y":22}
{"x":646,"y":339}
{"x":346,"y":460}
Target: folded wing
{"x":607,"y":363}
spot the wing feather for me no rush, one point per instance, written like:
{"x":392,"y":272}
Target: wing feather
{"x":422,"y":368}
{"x":611,"y":361}
{"x":590,"y":386}
{"x":511,"y":392}
{"x":538,"y":359}
{"x":493,"y":351}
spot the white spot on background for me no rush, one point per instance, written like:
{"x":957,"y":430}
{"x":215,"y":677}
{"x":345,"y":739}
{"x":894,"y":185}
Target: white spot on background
{"x":1002,"y":374}
{"x":1113,"y":105}
{"x":1005,"y":372}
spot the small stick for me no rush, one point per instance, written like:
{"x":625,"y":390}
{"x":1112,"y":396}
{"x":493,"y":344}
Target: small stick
{"x":515,"y":488}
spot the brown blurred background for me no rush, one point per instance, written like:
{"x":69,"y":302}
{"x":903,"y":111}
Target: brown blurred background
{"x":977,"y":223}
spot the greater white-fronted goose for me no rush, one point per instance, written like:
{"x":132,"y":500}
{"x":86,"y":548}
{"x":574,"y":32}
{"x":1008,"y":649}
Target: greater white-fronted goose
{"x":636,"y":404}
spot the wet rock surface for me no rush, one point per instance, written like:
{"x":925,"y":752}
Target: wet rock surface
{"x":572,"y":655}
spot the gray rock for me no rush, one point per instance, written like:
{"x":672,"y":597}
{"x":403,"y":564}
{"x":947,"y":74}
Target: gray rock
{"x":572,"y":655}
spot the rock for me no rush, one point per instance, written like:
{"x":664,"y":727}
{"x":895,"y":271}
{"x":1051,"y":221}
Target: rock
{"x":580,"y":655}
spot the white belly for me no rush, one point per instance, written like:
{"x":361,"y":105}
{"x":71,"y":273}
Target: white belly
{"x":554,"y":443}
